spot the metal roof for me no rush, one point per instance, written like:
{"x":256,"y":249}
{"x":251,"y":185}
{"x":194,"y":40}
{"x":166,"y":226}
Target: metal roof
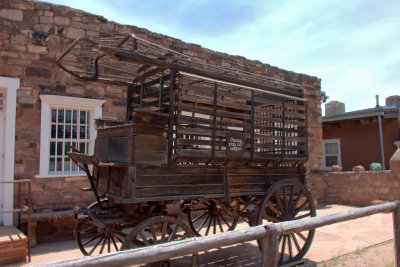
{"x":390,"y":111}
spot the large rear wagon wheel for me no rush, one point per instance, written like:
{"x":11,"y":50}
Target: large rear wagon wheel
{"x":288,"y":200}
{"x":212,"y":216}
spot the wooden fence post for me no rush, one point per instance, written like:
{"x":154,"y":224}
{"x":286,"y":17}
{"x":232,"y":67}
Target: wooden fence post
{"x":269,"y":247}
{"x":396,"y":232}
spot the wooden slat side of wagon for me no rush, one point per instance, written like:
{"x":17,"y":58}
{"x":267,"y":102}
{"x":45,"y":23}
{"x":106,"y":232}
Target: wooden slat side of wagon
{"x":216,"y":143}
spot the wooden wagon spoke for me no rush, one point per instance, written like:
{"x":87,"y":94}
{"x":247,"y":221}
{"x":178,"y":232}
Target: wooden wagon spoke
{"x":114,"y":243}
{"x":284,"y":197}
{"x":204,"y":222}
{"x":164,"y":226}
{"x":296,"y":242}
{"x":303,"y":216}
{"x":95,"y":246}
{"x":202,"y":215}
{"x":290,"y":197}
{"x":109,"y":244}
{"x":278,"y":201}
{"x":272,"y":219}
{"x":296,"y":202}
{"x":215,"y":224}
{"x":209,"y":225}
{"x":173,"y":234}
{"x":283,"y":247}
{"x":290,"y":247}
{"x":144,"y":239}
{"x":296,"y":211}
{"x":223,"y":218}
{"x":274,"y":210}
{"x":153,"y":233}
{"x":302,"y":236}
{"x":219,"y":223}
{"x":92,"y":239}
{"x":103,"y":245}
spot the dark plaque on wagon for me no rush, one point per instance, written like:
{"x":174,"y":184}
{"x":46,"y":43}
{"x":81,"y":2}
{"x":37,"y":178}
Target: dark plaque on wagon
{"x":235,"y":144}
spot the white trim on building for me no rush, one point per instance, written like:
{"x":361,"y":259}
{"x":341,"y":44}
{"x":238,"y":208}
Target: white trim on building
{"x":94,"y":106}
{"x":7,"y":190}
{"x":334,"y":155}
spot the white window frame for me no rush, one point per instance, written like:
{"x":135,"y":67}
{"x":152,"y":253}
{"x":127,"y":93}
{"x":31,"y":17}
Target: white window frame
{"x":337,"y":141}
{"x":54,"y":101}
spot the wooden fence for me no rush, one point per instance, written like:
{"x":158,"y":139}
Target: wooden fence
{"x":268,"y":233}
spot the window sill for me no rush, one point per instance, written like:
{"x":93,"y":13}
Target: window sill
{"x":80,"y":174}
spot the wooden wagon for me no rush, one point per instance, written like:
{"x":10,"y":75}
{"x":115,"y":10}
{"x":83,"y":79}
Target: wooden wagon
{"x":202,"y":148}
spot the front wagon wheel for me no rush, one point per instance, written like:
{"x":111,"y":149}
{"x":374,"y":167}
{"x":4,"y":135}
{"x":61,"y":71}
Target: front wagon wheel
{"x":288,"y":200}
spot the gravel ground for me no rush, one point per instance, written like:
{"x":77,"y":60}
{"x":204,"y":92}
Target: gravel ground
{"x":379,"y":255}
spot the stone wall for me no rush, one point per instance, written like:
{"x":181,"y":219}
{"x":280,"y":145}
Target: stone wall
{"x":33,"y":62}
{"x":361,"y":188}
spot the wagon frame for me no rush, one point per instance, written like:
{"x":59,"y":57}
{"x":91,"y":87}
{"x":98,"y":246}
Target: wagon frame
{"x":214,"y":144}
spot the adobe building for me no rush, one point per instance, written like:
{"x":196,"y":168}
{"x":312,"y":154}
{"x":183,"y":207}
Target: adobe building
{"x":33,"y":90}
{"x":353,"y":138}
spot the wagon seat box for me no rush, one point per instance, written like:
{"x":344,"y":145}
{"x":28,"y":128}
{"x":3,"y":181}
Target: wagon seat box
{"x":126,"y":145}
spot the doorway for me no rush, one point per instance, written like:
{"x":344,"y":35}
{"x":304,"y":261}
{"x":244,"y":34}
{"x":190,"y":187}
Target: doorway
{"x":8,"y":104}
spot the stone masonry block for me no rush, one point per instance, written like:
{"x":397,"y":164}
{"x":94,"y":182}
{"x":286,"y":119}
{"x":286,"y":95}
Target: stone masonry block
{"x":61,"y":20}
{"x":75,"y":33}
{"x":11,"y":14}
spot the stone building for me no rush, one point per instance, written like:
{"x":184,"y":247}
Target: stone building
{"x":33,"y":89}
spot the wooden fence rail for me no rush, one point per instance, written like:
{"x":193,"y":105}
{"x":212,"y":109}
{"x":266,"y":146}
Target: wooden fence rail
{"x":268,"y":233}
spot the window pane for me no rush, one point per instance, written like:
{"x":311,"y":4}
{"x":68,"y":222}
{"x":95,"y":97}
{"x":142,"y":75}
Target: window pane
{"x":74,"y":116}
{"x":59,"y":148}
{"x":53,"y":115}
{"x":52,"y":164}
{"x":67,"y":131}
{"x":59,"y":164}
{"x":82,"y":132}
{"x":52,"y":148}
{"x":74,"y":132}
{"x":61,"y":115}
{"x":82,"y":147}
{"x":67,"y":164}
{"x":53,"y":131}
{"x":68,"y":116}
{"x":87,"y":132}
{"x":74,"y":146}
{"x":331,"y":148}
{"x":60,"y":133}
{"x":331,"y":160}
{"x":82,"y":117}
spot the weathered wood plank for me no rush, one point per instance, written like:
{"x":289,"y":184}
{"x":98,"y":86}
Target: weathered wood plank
{"x":269,"y":247}
{"x":396,"y":232}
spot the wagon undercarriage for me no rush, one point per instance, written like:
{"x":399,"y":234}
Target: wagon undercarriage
{"x":203,"y":147}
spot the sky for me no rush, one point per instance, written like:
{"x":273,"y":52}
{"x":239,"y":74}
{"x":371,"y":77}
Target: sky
{"x":352,"y":46}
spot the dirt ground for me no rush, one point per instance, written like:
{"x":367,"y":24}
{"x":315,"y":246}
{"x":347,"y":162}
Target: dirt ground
{"x":362,"y":242}
{"x":379,"y":255}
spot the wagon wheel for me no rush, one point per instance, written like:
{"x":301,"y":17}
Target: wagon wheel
{"x":285,"y":201}
{"x":157,"y":230}
{"x":93,"y":242}
{"x":211,"y":216}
